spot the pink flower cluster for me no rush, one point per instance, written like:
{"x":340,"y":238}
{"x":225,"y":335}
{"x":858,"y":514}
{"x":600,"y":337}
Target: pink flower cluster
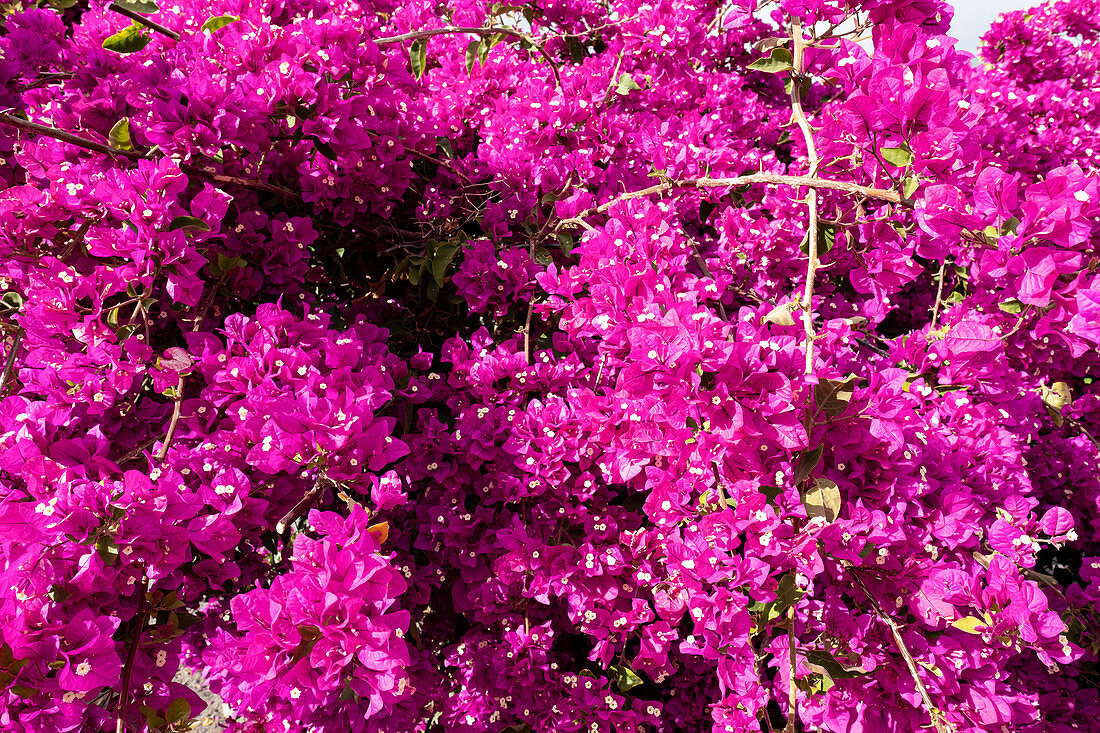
{"x":400,"y":367}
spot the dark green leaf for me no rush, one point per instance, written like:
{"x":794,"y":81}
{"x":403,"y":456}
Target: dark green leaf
{"x":229,"y":264}
{"x":24,"y":691}
{"x":418,"y":57}
{"x":128,"y":40}
{"x":442,"y":259}
{"x":107,"y":549}
{"x":898,"y":157}
{"x":472,"y":50}
{"x":324,"y":149}
{"x":12,"y":301}
{"x":777,"y":61}
{"x":188,"y":224}
{"x":120,"y":135}
{"x":218,"y":22}
{"x":566,"y":242}
{"x":807,"y":462}
{"x":145,"y":7}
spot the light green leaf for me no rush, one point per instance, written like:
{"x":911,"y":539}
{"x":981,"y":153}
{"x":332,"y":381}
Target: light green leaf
{"x":128,"y":40}
{"x":218,"y":22}
{"x":626,"y":85}
{"x":909,"y":186}
{"x":120,"y":135}
{"x":969,"y":624}
{"x":898,"y":157}
{"x":418,"y":57}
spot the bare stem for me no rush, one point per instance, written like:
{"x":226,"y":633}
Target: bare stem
{"x":905,"y":654}
{"x":177,"y":404}
{"x":82,"y":142}
{"x":135,"y":641}
{"x":939,"y":295}
{"x":323,"y":482}
{"x":492,"y":30}
{"x":139,"y":18}
{"x":776,"y":179}
{"x":9,"y":363}
{"x":799,"y":117}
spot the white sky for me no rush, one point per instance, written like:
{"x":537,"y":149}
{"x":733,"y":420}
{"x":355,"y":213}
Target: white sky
{"x":973,"y":18}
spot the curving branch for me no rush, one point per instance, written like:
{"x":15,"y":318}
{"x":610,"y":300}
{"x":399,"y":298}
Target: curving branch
{"x":97,"y":147}
{"x":775,"y":179}
{"x":481,"y":31}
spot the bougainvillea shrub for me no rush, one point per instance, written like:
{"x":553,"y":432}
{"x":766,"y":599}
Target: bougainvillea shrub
{"x":562,"y":366}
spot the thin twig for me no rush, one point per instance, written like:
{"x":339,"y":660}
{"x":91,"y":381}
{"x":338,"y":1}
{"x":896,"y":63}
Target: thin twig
{"x":9,"y":363}
{"x":139,"y":18}
{"x":177,"y":405}
{"x":323,"y":482}
{"x":776,"y":179}
{"x":706,"y":272}
{"x":939,"y":295}
{"x":82,"y":142}
{"x":135,"y":641}
{"x":492,"y":30}
{"x":799,"y":116}
{"x":905,"y":653}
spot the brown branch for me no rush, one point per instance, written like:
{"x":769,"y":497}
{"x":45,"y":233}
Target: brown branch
{"x":323,"y":482}
{"x":135,"y":640}
{"x":905,"y":654}
{"x":776,"y":179}
{"x":139,"y":18}
{"x":82,"y":142}
{"x":799,"y":116}
{"x":492,"y":30}
{"x":939,"y":295}
{"x":177,"y":405}
{"x":9,"y":363}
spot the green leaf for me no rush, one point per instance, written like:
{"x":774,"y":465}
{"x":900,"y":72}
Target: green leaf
{"x":218,"y":22}
{"x":418,"y":57}
{"x":777,"y":61}
{"x":128,"y":40}
{"x":442,"y":259}
{"x":229,"y":264}
{"x":543,"y":256}
{"x":177,"y":711}
{"x":787,"y":594}
{"x":909,"y":186}
{"x":830,"y":666}
{"x":324,"y":149}
{"x":24,"y":691}
{"x":566,"y":242}
{"x":12,"y":301}
{"x":188,"y":224}
{"x":120,"y":135}
{"x":1012,"y":306}
{"x":807,"y":462}
{"x":473,"y":48}
{"x":626,"y":85}
{"x":898,"y":157}
{"x":145,"y":7}
{"x":627,"y":679}
{"x":822,"y":500}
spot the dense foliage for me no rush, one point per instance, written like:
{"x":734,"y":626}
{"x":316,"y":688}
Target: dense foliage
{"x":581,"y":365}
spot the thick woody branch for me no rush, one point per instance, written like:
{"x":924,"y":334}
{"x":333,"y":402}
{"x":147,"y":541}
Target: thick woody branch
{"x":303,"y":505}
